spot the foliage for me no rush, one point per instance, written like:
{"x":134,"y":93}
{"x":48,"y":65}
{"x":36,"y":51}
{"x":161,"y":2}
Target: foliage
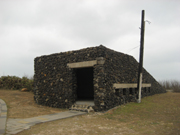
{"x":16,"y":83}
{"x":171,"y":84}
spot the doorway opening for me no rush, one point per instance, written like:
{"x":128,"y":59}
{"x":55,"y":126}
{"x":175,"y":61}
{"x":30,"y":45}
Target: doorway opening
{"x":85,"y":87}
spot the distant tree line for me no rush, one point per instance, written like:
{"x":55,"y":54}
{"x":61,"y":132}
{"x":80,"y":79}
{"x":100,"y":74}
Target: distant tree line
{"x":171,"y":85}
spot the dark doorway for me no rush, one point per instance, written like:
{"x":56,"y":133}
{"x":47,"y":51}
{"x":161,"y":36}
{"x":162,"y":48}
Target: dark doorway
{"x":85,"y":87}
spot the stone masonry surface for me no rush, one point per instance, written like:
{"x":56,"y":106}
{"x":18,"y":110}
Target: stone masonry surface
{"x":55,"y":78}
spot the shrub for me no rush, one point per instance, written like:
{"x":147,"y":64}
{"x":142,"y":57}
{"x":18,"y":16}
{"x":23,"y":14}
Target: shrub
{"x":16,"y":83}
{"x":171,"y":84}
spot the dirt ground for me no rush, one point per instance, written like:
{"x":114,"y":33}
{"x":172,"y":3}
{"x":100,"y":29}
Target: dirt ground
{"x":155,"y":115}
{"x":22,"y":105}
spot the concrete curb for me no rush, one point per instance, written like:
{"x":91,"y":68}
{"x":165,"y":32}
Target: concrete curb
{"x":3,"y":117}
{"x":14,"y":126}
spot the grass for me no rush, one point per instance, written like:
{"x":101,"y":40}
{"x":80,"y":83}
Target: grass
{"x":22,"y":105}
{"x":156,"y":112}
{"x":155,"y":115}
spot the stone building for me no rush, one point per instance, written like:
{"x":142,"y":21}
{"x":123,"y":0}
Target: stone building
{"x":105,"y":77}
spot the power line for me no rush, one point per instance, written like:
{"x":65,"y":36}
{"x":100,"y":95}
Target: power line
{"x":133,"y":49}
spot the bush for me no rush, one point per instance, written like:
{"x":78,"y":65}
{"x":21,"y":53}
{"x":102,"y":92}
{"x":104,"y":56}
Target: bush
{"x":16,"y":83}
{"x":173,"y":84}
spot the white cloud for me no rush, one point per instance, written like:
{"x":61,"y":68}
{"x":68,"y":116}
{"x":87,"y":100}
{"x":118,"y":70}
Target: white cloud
{"x":32,"y":28}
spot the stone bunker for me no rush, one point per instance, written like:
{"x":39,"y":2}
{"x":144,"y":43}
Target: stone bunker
{"x":99,"y":76}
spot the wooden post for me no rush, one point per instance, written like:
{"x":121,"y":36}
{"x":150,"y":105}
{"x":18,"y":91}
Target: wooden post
{"x":141,"y":57}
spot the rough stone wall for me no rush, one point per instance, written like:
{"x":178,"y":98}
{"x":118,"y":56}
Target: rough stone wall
{"x":55,"y":82}
{"x":122,"y":68}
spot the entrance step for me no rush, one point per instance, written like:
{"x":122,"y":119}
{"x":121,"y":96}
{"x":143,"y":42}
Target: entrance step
{"x":83,"y":108}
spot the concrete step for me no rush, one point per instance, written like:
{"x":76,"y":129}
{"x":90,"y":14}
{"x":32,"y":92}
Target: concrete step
{"x":83,"y":108}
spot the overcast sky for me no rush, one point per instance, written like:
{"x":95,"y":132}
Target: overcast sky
{"x":31,"y":28}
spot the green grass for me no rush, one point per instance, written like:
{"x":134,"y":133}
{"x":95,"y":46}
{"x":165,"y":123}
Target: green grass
{"x":155,"y":115}
{"x":161,"y":110}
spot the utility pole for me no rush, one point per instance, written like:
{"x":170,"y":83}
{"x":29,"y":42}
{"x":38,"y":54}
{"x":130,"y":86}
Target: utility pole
{"x":141,"y":57}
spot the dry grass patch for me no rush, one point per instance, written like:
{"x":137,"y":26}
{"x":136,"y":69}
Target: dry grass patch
{"x":89,"y":124}
{"x":22,"y":105}
{"x":156,"y":115}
